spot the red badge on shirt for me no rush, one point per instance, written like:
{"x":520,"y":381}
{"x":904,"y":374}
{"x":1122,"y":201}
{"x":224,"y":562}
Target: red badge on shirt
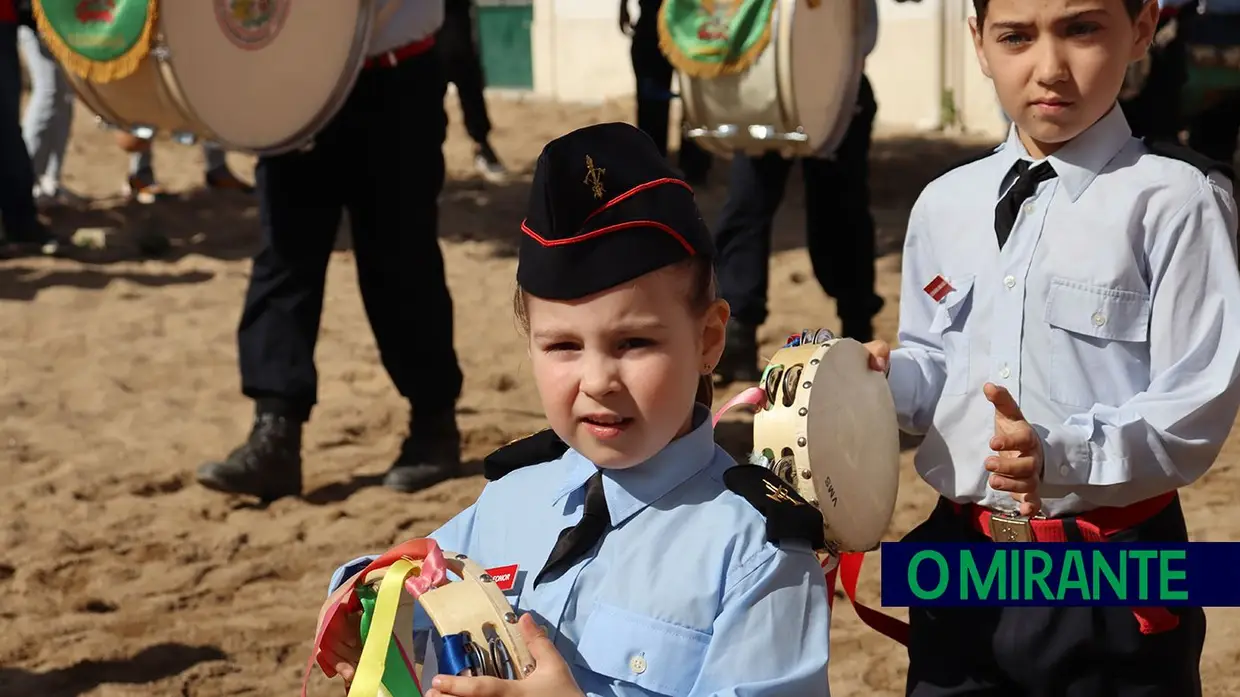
{"x":938,"y":288}
{"x":504,"y":576}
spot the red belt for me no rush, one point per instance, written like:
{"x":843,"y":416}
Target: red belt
{"x":1095,"y":526}
{"x":390,"y":59}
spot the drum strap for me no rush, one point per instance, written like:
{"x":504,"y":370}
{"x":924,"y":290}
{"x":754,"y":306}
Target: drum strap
{"x":849,"y":572}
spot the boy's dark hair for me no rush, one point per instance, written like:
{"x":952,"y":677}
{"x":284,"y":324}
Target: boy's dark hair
{"x":1133,"y":7}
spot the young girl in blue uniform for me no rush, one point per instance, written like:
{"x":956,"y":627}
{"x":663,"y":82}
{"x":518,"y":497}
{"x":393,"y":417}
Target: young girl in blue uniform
{"x":655,"y":563}
{"x":1070,"y":347}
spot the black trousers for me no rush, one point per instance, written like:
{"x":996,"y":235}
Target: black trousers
{"x":654,"y":94}
{"x":381,"y":159}
{"x":463,"y":66}
{"x":1048,"y":651}
{"x":1156,"y":113}
{"x":16,"y":173}
{"x":839,"y":228}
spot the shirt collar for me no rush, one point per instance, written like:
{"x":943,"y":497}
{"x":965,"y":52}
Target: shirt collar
{"x":630,"y":490}
{"x":1078,"y":163}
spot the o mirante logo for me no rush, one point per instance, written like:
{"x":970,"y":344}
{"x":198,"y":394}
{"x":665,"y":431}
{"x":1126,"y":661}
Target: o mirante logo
{"x":251,"y":24}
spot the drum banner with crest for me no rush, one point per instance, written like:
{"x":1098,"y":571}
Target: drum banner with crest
{"x":97,"y":40}
{"x":710,"y":38}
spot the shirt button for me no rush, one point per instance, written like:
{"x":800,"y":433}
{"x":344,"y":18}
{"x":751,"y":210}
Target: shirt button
{"x":1063,"y":469}
{"x":1029,"y":208}
{"x":1010,"y":281}
{"x":637,"y":664}
{"x":1099,"y":319}
{"x":1006,"y":372}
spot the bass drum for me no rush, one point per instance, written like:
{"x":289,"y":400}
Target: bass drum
{"x":798,"y":97}
{"x":257,"y":76}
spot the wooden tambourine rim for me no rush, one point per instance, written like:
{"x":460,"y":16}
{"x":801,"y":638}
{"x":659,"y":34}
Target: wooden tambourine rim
{"x":776,"y":423}
{"x":456,"y":607}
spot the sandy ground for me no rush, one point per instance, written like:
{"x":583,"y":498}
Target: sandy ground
{"x":119,"y":576}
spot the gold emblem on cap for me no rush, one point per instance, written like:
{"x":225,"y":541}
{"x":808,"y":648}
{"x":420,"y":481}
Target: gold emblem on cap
{"x":594,"y":177}
{"x":780,"y":494}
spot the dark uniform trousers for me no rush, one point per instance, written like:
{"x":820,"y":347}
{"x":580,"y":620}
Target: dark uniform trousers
{"x":839,"y":227}
{"x":463,"y":66}
{"x":1155,"y":111}
{"x":1051,"y":651}
{"x":380,"y":159}
{"x":653,"y":73}
{"x":17,"y":208}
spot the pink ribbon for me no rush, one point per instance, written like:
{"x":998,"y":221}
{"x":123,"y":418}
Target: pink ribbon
{"x":754,"y":397}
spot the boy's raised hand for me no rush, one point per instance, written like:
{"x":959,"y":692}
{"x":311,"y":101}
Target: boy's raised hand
{"x":1016,"y":466}
{"x":551,"y":675}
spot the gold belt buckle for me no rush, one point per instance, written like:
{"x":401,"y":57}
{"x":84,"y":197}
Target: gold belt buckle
{"x":1010,"y":528}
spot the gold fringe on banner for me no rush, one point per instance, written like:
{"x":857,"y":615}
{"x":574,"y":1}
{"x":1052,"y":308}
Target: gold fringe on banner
{"x":98,"y":71}
{"x":698,"y":69}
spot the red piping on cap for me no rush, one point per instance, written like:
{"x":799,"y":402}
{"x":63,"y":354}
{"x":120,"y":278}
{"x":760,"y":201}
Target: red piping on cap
{"x":619,"y":226}
{"x":604,"y":230}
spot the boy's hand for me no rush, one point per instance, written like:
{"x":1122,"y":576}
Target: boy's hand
{"x":551,"y":675}
{"x":880,"y":355}
{"x":1017,"y":464}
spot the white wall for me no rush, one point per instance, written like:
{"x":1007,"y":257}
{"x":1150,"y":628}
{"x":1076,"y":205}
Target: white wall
{"x":905,"y":66}
{"x":579,"y":52}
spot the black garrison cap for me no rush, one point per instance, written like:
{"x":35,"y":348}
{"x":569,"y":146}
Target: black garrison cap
{"x":605,"y":207}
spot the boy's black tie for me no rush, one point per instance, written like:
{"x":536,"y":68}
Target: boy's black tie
{"x":1027,"y":181}
{"x":577,"y":540}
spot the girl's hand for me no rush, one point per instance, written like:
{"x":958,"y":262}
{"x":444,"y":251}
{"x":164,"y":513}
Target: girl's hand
{"x":551,"y":675}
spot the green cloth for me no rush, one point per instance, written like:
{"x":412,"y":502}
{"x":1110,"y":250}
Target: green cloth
{"x":708,"y":38}
{"x":396,"y":678}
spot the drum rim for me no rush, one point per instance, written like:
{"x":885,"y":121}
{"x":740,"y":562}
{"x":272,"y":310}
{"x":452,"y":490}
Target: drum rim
{"x":785,"y":77}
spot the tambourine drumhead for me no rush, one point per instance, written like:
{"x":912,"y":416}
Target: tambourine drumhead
{"x":803,"y":85}
{"x":833,"y":420}
{"x":253,"y":76}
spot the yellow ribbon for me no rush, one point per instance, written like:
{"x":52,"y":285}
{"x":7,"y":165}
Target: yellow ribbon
{"x":368,"y":679}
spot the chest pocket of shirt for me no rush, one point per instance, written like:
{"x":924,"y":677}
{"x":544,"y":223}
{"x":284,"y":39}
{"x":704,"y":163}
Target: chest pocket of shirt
{"x":1097,"y":342}
{"x":948,"y":323}
{"x":645,"y":655}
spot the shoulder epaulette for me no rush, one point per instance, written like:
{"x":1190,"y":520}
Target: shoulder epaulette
{"x":1176,"y":151}
{"x":788,"y":515}
{"x":543,"y":446}
{"x":967,"y":161}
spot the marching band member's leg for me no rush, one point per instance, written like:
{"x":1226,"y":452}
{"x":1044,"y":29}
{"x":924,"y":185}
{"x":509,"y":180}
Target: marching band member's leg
{"x":47,"y":119}
{"x":743,"y":238}
{"x":839,"y":226}
{"x":22,"y":228}
{"x":392,"y":202}
{"x":464,"y":69}
{"x":299,"y":212}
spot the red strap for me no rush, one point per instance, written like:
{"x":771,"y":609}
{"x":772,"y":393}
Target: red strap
{"x":849,"y":571}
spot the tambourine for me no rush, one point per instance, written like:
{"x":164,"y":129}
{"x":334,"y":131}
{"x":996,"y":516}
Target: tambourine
{"x":825,"y":423}
{"x":476,"y":626}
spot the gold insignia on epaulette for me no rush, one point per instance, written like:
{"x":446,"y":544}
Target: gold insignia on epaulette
{"x":594,"y":177}
{"x":779,"y":494}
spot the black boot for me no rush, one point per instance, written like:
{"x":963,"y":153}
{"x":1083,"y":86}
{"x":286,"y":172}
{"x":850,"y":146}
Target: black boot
{"x":267,"y":465}
{"x":430,"y":454}
{"x":739,"y":362}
